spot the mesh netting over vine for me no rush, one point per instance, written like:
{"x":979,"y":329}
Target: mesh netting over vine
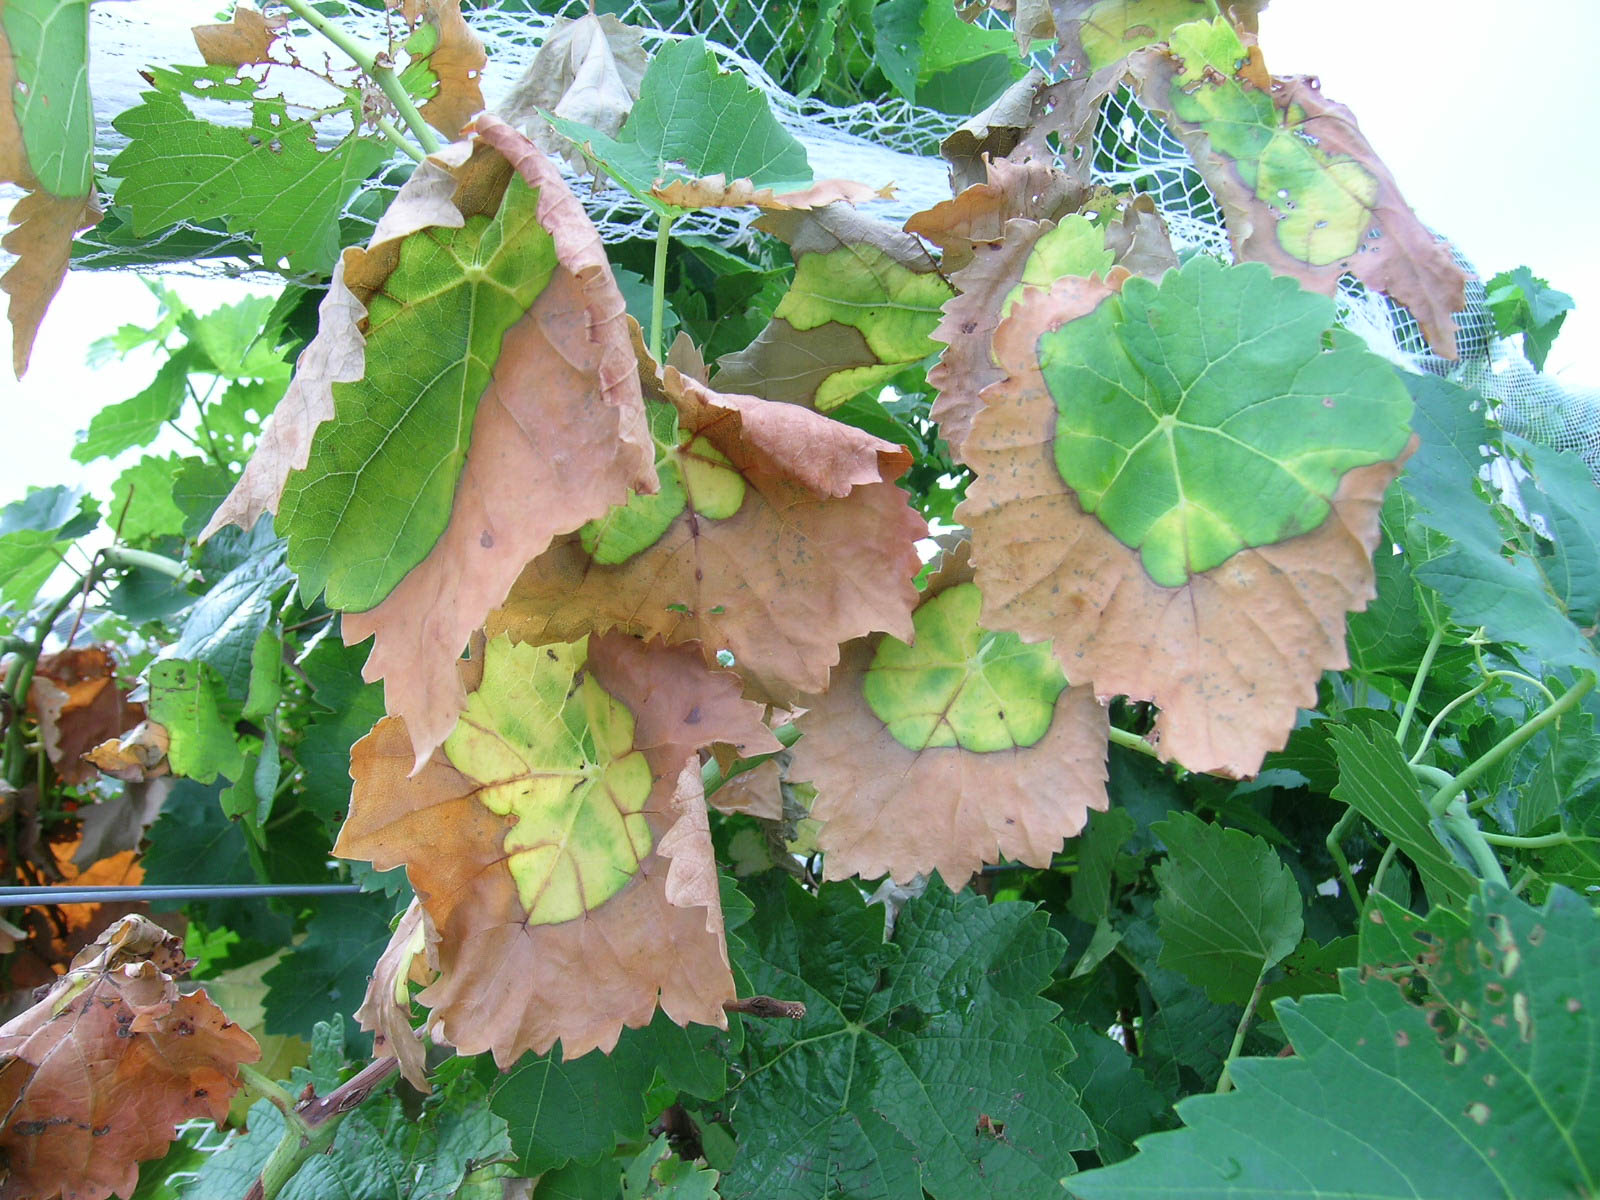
{"x":875,"y":139}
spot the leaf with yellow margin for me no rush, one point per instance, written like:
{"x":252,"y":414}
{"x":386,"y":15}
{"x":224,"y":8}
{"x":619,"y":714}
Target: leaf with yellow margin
{"x":778,"y":535}
{"x":1230,"y":650}
{"x":98,"y":1073}
{"x":1301,"y":189}
{"x":560,"y":834}
{"x":978,"y":748}
{"x":862,"y":307}
{"x":47,"y":150}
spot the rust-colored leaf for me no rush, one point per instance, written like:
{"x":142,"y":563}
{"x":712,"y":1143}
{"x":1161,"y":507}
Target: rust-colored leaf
{"x":75,"y":698}
{"x":816,"y":548}
{"x":95,"y":1077}
{"x":506,"y":972}
{"x":247,"y":38}
{"x":412,"y":955}
{"x":42,"y":241}
{"x":559,"y":436}
{"x":1231,"y":653}
{"x":455,"y":57}
{"x":136,"y":756}
{"x":937,"y":798}
{"x":718,"y":191}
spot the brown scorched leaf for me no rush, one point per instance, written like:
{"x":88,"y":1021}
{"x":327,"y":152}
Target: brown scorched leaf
{"x":247,"y":38}
{"x":1030,"y":19}
{"x":978,"y":748}
{"x":588,"y":70}
{"x":455,"y":58}
{"x":95,"y":1077}
{"x":717,"y":191}
{"x":412,"y":955}
{"x":75,"y":699}
{"x":594,"y":896}
{"x":790,"y":539}
{"x":1231,"y":653}
{"x":559,"y":437}
{"x":864,"y":300}
{"x":1301,"y":189}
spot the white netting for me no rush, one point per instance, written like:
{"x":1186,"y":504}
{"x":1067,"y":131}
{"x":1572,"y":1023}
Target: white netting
{"x":875,"y":141}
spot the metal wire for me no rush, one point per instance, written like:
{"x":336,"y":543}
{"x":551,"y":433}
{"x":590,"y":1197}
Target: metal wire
{"x":27,"y":897}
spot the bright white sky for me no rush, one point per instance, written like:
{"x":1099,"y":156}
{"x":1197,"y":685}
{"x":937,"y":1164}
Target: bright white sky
{"x":1484,"y":112}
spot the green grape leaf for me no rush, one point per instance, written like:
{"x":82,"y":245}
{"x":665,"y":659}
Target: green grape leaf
{"x":1121,"y":1102}
{"x":575,"y":1110}
{"x":327,"y":972}
{"x":981,"y":751}
{"x":1300,"y":187}
{"x":1517,"y":590}
{"x":1229,"y":907}
{"x":346,"y":710}
{"x":142,"y":506}
{"x":137,"y":420}
{"x":657,"y":1172}
{"x":862,"y":307}
{"x":1376,"y":781}
{"x":1479,"y":1089}
{"x":433,"y":336}
{"x":1179,"y":486}
{"x":189,"y":698}
{"x":1202,"y":416}
{"x":223,"y":626}
{"x":268,"y":180}
{"x":1101,"y":33}
{"x":47,"y":149}
{"x":1523,"y":303}
{"x":931,"y":55}
{"x":692,"y":119}
{"x":31,"y":532}
{"x":236,"y":341}
{"x":926,"y":1063}
{"x":379,"y":1150}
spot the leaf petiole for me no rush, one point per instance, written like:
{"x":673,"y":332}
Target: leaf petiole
{"x":658,"y":284}
{"x":1225,"y":1082}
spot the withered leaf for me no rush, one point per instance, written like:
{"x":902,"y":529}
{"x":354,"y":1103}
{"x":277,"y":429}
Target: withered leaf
{"x":247,"y":38}
{"x":1099,"y":34}
{"x":95,"y":1077}
{"x":453,"y":54}
{"x":411,"y":956}
{"x":788,"y":538}
{"x":75,"y":698}
{"x":978,"y":747}
{"x":1231,"y":652}
{"x":718,"y":191}
{"x":559,"y":437}
{"x":535,"y":873}
{"x":587,"y":70}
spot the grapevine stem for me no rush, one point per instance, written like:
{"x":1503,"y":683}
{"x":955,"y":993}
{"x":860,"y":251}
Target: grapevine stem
{"x":712,"y":777}
{"x":1132,"y":741}
{"x":1225,"y":1083}
{"x":658,"y":285}
{"x":1335,"y":844}
{"x":381,"y":73}
{"x":310,"y":1124}
{"x":1383,"y":868}
{"x":1433,"y":725}
{"x":398,"y":139}
{"x":1559,"y":838}
{"x":1517,"y":737}
{"x":1423,"y":668}
{"x":1457,"y":820}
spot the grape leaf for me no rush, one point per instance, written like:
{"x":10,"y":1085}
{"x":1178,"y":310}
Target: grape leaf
{"x":792,"y":539}
{"x":1479,"y":1090}
{"x":718,"y":191}
{"x":577,"y":1110}
{"x":561,"y":435}
{"x":1231,"y":652}
{"x":692,"y":119}
{"x":935,"y":59}
{"x":1101,"y":33}
{"x":587,"y":71}
{"x":1523,"y":303}
{"x":137,"y":420}
{"x":1229,"y":907}
{"x":862,"y":307}
{"x":411,"y":956}
{"x":1300,"y":188}
{"x":327,"y":972}
{"x":142,"y":507}
{"x":223,"y":626}
{"x":1518,"y":591}
{"x":1114,"y":1091}
{"x":190,"y":700}
{"x":268,"y":180}
{"x":46,"y":149}
{"x":245,"y":38}
{"x":444,"y":45}
{"x":979,"y":748}
{"x":928,"y":1063}
{"x":1376,"y":781}
{"x":78,"y":704}
{"x":559,"y":836}
{"x":97,"y":1074}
